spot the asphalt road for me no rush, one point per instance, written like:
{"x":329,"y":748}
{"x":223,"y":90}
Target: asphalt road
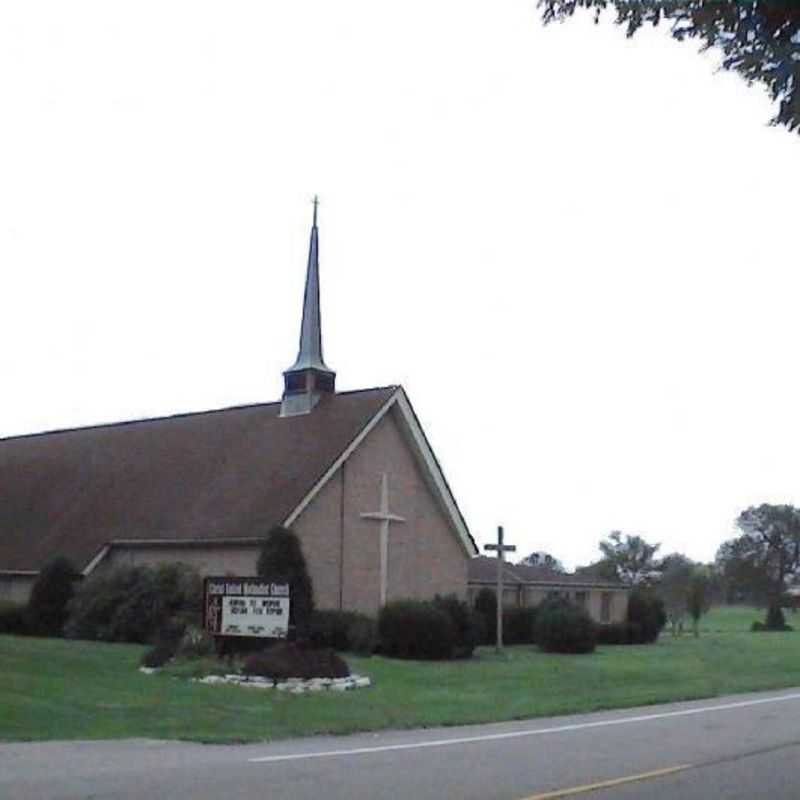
{"x":747,"y":746}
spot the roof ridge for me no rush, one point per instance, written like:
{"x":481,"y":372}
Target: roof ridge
{"x":165,"y":417}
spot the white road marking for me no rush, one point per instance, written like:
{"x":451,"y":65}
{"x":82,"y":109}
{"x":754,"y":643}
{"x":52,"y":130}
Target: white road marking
{"x":495,"y":737}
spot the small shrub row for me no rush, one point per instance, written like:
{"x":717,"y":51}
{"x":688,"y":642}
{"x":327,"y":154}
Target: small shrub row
{"x":620,"y":633}
{"x":296,"y":660}
{"x":347,"y":631}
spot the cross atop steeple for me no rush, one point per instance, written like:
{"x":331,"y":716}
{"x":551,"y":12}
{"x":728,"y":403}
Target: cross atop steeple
{"x":309,"y":377}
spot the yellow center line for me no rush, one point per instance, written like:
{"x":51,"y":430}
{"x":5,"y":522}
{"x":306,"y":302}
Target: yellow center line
{"x":593,"y":787}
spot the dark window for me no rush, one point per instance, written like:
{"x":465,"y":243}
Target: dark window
{"x":325,"y":382}
{"x":581,"y":598}
{"x":296,"y":382}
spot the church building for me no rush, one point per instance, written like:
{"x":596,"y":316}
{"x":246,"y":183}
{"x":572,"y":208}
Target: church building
{"x":352,"y":473}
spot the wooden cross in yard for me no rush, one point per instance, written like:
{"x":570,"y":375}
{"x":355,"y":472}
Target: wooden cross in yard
{"x":501,"y":549}
{"x":385,"y":518}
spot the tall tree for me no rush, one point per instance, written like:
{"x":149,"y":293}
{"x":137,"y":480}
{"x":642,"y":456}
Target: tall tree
{"x":632,"y":557}
{"x":698,"y":597}
{"x":770,"y":545}
{"x":759,"y":39}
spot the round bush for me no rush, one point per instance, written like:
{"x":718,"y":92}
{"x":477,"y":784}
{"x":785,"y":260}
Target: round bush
{"x":13,"y":619}
{"x":519,"y":625}
{"x":564,"y":628}
{"x":646,"y":610}
{"x":416,"y":629}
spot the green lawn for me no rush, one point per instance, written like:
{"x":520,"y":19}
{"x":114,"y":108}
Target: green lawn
{"x":53,"y":689}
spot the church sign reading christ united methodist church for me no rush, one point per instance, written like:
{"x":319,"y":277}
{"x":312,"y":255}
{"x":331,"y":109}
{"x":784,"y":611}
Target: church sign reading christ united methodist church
{"x":246,"y":607}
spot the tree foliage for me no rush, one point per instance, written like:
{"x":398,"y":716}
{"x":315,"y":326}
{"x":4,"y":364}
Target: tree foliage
{"x":281,"y":560}
{"x":52,"y":591}
{"x":769,"y":547}
{"x":540,"y":559}
{"x":698,"y":598}
{"x":633,"y":558}
{"x":759,"y":39}
{"x":673,"y":588}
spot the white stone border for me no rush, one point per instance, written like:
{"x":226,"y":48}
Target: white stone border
{"x":291,"y":685}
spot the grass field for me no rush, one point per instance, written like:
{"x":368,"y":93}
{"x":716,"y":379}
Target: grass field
{"x":54,"y":689}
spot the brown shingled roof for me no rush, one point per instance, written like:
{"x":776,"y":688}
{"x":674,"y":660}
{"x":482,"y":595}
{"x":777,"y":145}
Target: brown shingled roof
{"x":483,"y":569}
{"x":224,"y":474}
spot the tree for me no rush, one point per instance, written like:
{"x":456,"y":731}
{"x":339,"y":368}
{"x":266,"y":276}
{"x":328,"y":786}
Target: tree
{"x":673,"y":588}
{"x":53,"y":589}
{"x":539,"y":559}
{"x":632,"y":557}
{"x":743,"y":578}
{"x":281,"y":560}
{"x":759,"y":39}
{"x":770,"y":546}
{"x":698,"y":598}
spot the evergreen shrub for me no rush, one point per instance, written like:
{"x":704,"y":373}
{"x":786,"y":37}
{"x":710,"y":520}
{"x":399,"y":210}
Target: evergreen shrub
{"x":13,"y":619}
{"x":157,"y":656}
{"x":51,"y":592}
{"x":646,"y":610}
{"x":564,"y":628}
{"x":342,"y":630}
{"x":620,"y":633}
{"x":416,"y":629}
{"x":465,"y":623}
{"x":519,"y":625}
{"x":281,"y":560}
{"x":486,"y":607}
{"x":296,"y":660}
{"x":136,"y":604}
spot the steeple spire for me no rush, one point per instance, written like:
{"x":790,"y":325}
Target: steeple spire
{"x":309,"y":377}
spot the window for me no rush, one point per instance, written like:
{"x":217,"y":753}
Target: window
{"x":296,"y":382}
{"x":605,"y":606}
{"x":324,"y":382}
{"x":581,"y":599}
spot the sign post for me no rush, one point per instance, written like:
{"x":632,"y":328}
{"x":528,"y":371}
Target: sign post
{"x":501,"y":549}
{"x":251,"y":607}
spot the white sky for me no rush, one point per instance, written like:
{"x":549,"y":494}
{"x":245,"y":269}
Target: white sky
{"x":577,"y":253}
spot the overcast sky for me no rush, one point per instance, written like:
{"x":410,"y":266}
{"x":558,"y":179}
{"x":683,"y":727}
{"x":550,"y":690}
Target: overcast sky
{"x":578,"y":253}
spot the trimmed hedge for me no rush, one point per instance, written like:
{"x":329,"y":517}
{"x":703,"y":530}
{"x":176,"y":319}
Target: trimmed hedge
{"x":416,"y":629}
{"x":564,"y":628}
{"x":343,"y":630}
{"x":486,"y":608}
{"x":296,"y":660}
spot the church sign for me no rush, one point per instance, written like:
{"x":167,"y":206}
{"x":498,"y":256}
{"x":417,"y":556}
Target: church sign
{"x":246,"y":607}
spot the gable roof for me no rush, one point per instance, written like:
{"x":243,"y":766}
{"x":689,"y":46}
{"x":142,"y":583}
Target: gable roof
{"x":483,"y":570}
{"x":217,"y":475}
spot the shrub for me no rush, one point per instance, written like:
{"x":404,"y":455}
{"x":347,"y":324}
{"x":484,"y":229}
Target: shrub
{"x":646,"y":610}
{"x":775,"y":620}
{"x":135,"y":604}
{"x":465,"y":624}
{"x":281,"y":561}
{"x":52,"y":590}
{"x":620,"y":633}
{"x":519,"y":625}
{"x":416,"y":629}
{"x":296,"y":660}
{"x":363,"y":636}
{"x":157,"y":656}
{"x":564,"y":628}
{"x":342,"y":630}
{"x":486,"y":607}
{"x":13,"y":619}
